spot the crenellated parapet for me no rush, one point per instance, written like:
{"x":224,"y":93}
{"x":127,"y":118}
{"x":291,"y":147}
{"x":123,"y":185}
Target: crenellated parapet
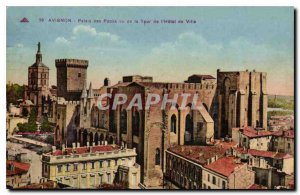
{"x":71,"y":63}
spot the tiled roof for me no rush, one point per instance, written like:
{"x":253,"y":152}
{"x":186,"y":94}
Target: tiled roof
{"x":200,"y":154}
{"x":261,"y":153}
{"x":224,"y":166}
{"x":15,"y":167}
{"x":252,"y":133}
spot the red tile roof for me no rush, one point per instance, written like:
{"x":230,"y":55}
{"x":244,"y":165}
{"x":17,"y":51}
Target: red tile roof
{"x":253,"y":133}
{"x":102,"y":148}
{"x":224,"y":166}
{"x":200,"y":154}
{"x":16,"y":168}
{"x":261,"y":153}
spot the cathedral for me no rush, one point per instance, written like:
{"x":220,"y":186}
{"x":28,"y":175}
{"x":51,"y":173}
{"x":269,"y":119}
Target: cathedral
{"x":232,"y":99}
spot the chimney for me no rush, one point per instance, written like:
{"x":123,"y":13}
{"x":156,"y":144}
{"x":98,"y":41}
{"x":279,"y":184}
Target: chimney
{"x":106,"y":82}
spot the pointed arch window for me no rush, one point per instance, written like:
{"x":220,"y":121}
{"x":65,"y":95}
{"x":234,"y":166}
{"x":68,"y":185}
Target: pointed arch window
{"x":173,"y":123}
{"x":157,"y":156}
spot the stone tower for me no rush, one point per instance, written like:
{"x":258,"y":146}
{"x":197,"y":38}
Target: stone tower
{"x":38,"y":84}
{"x":71,"y":78}
{"x":241,"y":100}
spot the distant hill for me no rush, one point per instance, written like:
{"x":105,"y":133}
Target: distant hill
{"x":281,"y":97}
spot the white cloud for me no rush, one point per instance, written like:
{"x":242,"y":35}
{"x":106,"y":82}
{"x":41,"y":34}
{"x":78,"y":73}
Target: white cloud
{"x":19,"y":45}
{"x":88,"y":37}
{"x":61,"y":40}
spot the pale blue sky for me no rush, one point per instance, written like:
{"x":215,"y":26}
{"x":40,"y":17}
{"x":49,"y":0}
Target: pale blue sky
{"x":229,"y":38}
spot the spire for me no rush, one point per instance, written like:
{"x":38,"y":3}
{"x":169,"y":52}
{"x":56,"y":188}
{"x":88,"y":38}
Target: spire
{"x":84,"y":94}
{"x":39,"y":47}
{"x":91,"y":93}
{"x":38,"y":56}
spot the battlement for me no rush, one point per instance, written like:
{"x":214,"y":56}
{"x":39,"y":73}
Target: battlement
{"x":191,"y":86}
{"x":71,"y":63}
{"x":253,"y":71}
{"x":62,"y":101}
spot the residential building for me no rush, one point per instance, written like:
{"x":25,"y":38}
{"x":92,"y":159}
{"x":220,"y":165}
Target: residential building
{"x":92,"y":166}
{"x":227,"y":173}
{"x":253,"y":138}
{"x":17,"y":174}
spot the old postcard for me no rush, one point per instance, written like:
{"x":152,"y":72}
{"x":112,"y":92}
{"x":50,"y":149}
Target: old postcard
{"x":122,"y":98}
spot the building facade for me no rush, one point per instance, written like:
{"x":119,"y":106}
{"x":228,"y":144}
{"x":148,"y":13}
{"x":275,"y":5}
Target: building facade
{"x":185,"y":164}
{"x":17,"y":174}
{"x":92,"y":166}
{"x":227,"y":173}
{"x":241,"y":100}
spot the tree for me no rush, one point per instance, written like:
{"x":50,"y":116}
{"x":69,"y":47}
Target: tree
{"x":45,"y":126}
{"x":32,"y":116}
{"x":31,"y":125}
{"x":50,"y":140}
{"x":14,"y":92}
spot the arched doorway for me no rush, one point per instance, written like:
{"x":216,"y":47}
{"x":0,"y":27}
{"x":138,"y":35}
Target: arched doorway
{"x":91,"y":138}
{"x":101,"y":138}
{"x":84,"y":137}
{"x":79,"y":136}
{"x":189,"y":127}
{"x":96,"y":139}
{"x":111,"y":140}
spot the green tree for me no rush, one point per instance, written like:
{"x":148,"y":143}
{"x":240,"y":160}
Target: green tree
{"x":14,"y":92}
{"x":31,"y":126}
{"x":32,"y":116}
{"x":45,"y":126}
